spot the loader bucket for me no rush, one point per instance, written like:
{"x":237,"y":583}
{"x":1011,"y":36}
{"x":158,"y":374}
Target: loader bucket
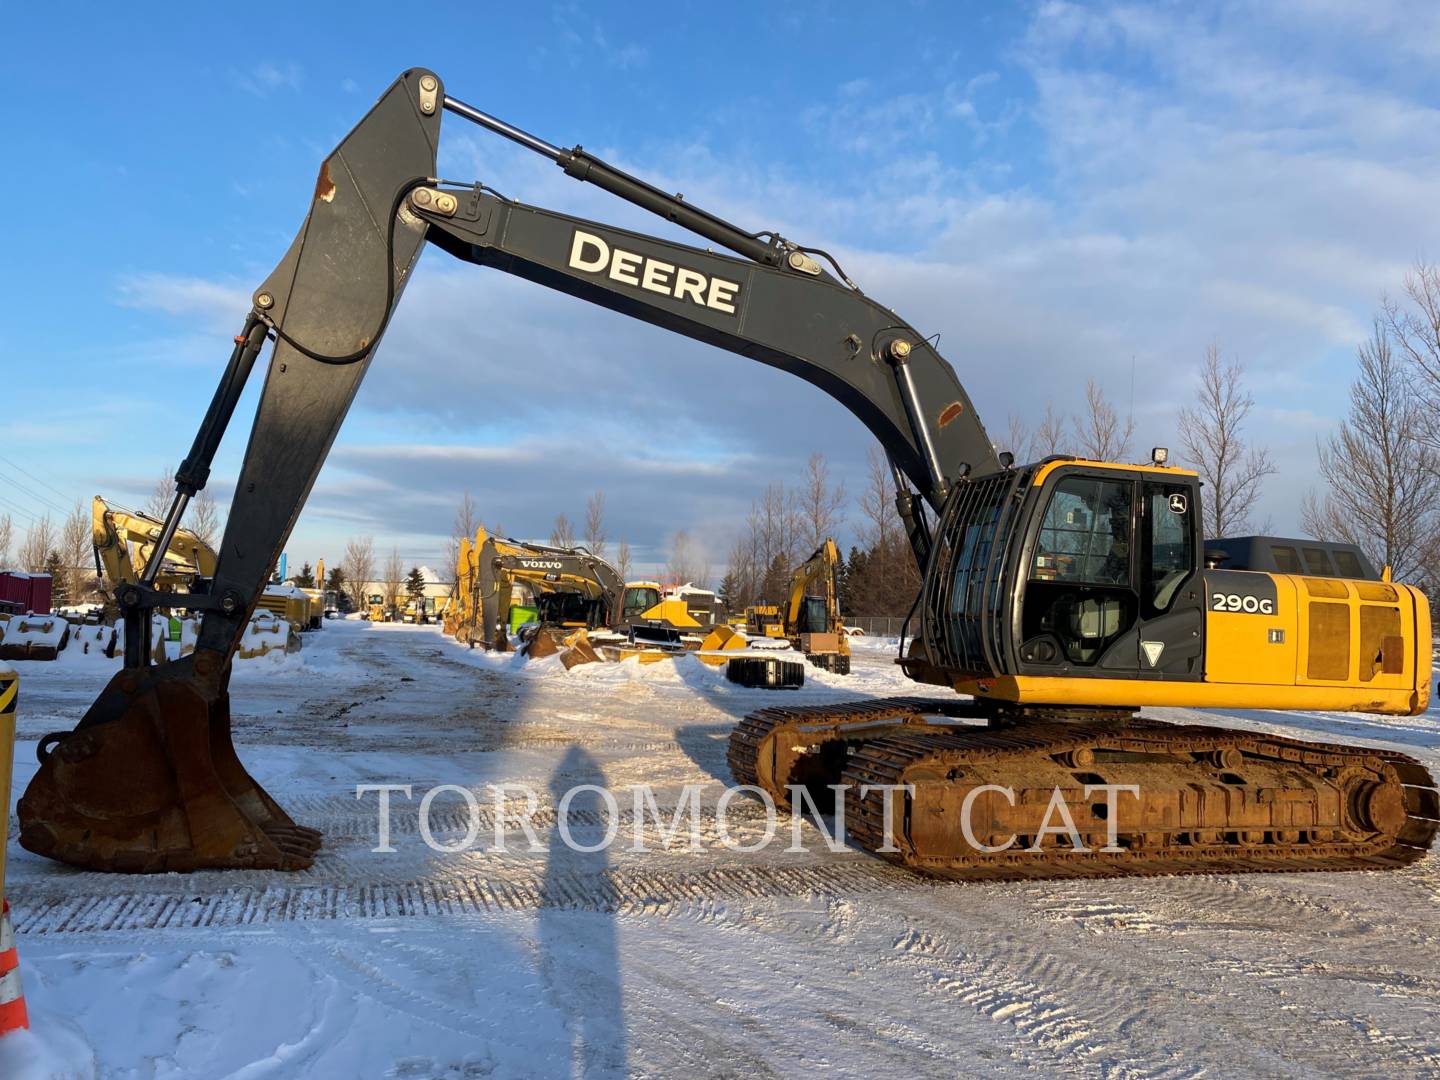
{"x":657,"y":635}
{"x":149,"y":782}
{"x":578,"y":650}
{"x":718,"y":642}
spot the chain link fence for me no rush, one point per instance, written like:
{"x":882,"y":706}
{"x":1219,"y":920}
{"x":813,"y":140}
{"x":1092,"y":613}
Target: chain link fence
{"x":877,"y":625}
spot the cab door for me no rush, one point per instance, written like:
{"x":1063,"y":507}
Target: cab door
{"x":1170,"y":637}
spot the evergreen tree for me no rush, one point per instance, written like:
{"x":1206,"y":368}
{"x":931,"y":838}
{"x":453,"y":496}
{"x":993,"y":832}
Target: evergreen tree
{"x":59,"y":579}
{"x":335,"y":583}
{"x":775,"y":586}
{"x":415,"y":584}
{"x":305,"y":579}
{"x":856,"y":599}
{"x":730,"y":592}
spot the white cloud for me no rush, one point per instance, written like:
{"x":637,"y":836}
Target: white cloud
{"x":266,"y":77}
{"x":218,"y":304}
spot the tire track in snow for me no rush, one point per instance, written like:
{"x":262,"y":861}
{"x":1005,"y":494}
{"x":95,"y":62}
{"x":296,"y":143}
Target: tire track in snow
{"x":613,"y":891}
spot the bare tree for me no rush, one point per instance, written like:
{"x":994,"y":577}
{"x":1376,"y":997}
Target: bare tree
{"x":1382,"y":474}
{"x":562,"y":533}
{"x":204,"y":519}
{"x":1017,"y":439}
{"x":163,"y":495}
{"x":76,"y":553}
{"x":1100,"y":434}
{"x":888,"y":580}
{"x":820,"y":502}
{"x":1415,"y":332}
{"x":7,"y":537}
{"x":622,"y":559}
{"x":39,"y":542}
{"x":358,"y":565}
{"x":394,"y":575}
{"x":1049,"y":436}
{"x":687,"y":563}
{"x":595,"y":523}
{"x":1211,"y":432}
{"x":467,"y":520}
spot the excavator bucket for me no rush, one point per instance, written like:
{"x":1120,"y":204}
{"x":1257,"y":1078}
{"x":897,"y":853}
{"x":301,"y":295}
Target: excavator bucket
{"x":149,"y":782}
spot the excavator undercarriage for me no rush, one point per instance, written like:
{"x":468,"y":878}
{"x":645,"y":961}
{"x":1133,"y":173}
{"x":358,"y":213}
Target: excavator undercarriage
{"x":980,"y":792}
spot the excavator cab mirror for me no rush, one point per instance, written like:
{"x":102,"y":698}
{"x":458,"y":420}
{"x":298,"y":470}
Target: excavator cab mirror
{"x":1007,"y":459}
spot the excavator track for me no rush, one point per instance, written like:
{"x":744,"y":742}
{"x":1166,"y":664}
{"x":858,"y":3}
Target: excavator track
{"x":1206,"y":799}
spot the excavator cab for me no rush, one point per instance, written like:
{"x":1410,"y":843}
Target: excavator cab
{"x":1083,"y":583}
{"x":1069,"y":568}
{"x":639,"y":598}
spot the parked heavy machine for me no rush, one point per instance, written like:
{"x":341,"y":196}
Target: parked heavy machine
{"x":1062,"y":596}
{"x":566,"y":589}
{"x":125,"y":542}
{"x":812,"y":611}
{"x":764,"y":621}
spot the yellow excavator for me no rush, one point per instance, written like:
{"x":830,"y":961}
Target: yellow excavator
{"x":125,"y":541}
{"x":567,"y":588}
{"x":1060,"y":597}
{"x":812,"y":611}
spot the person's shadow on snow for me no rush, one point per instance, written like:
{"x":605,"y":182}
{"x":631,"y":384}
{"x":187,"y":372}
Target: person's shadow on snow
{"x":579,"y":953}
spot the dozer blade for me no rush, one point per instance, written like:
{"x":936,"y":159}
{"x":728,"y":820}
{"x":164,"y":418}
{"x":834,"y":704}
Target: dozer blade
{"x":149,"y":782}
{"x":978,"y":796}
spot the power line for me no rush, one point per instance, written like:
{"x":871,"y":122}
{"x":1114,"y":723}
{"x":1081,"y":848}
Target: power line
{"x":16,"y":509}
{"x":32,"y":476}
{"x":33,"y":494}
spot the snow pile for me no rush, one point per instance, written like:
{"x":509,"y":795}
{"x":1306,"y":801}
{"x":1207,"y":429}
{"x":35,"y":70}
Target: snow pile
{"x":53,"y":1049}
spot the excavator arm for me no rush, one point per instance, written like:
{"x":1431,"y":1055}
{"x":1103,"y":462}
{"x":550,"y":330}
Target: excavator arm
{"x":149,"y":779}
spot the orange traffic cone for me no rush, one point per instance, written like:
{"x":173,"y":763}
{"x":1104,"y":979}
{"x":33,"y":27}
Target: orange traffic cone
{"x":13,"y":1015}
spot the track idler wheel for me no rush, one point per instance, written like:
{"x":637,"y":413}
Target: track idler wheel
{"x":149,"y":782}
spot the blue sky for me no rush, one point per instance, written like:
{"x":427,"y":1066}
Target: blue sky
{"x":1061,"y":191}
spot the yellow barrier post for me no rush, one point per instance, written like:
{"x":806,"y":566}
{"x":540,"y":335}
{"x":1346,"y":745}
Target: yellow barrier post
{"x":13,"y":1015}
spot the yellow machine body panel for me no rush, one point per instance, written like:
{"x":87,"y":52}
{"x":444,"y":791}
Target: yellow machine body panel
{"x":1331,"y":644}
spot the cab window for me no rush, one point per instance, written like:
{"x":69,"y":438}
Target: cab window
{"x":1085,"y":537}
{"x":1171,"y":541}
{"x":639,"y":601}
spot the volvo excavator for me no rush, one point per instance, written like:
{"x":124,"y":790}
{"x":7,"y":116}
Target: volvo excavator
{"x":570,"y":588}
{"x":1060,"y":598}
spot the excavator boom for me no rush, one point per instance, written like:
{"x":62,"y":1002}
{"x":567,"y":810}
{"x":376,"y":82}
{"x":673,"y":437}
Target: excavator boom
{"x":1061,"y":595}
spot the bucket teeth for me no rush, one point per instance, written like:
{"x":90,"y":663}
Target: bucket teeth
{"x":149,"y":782}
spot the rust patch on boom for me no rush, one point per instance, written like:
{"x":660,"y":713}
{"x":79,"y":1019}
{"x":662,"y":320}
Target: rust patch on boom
{"x":950,"y":412}
{"x":324,"y":186}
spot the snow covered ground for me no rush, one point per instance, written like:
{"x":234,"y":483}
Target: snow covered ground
{"x":418,"y":964}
